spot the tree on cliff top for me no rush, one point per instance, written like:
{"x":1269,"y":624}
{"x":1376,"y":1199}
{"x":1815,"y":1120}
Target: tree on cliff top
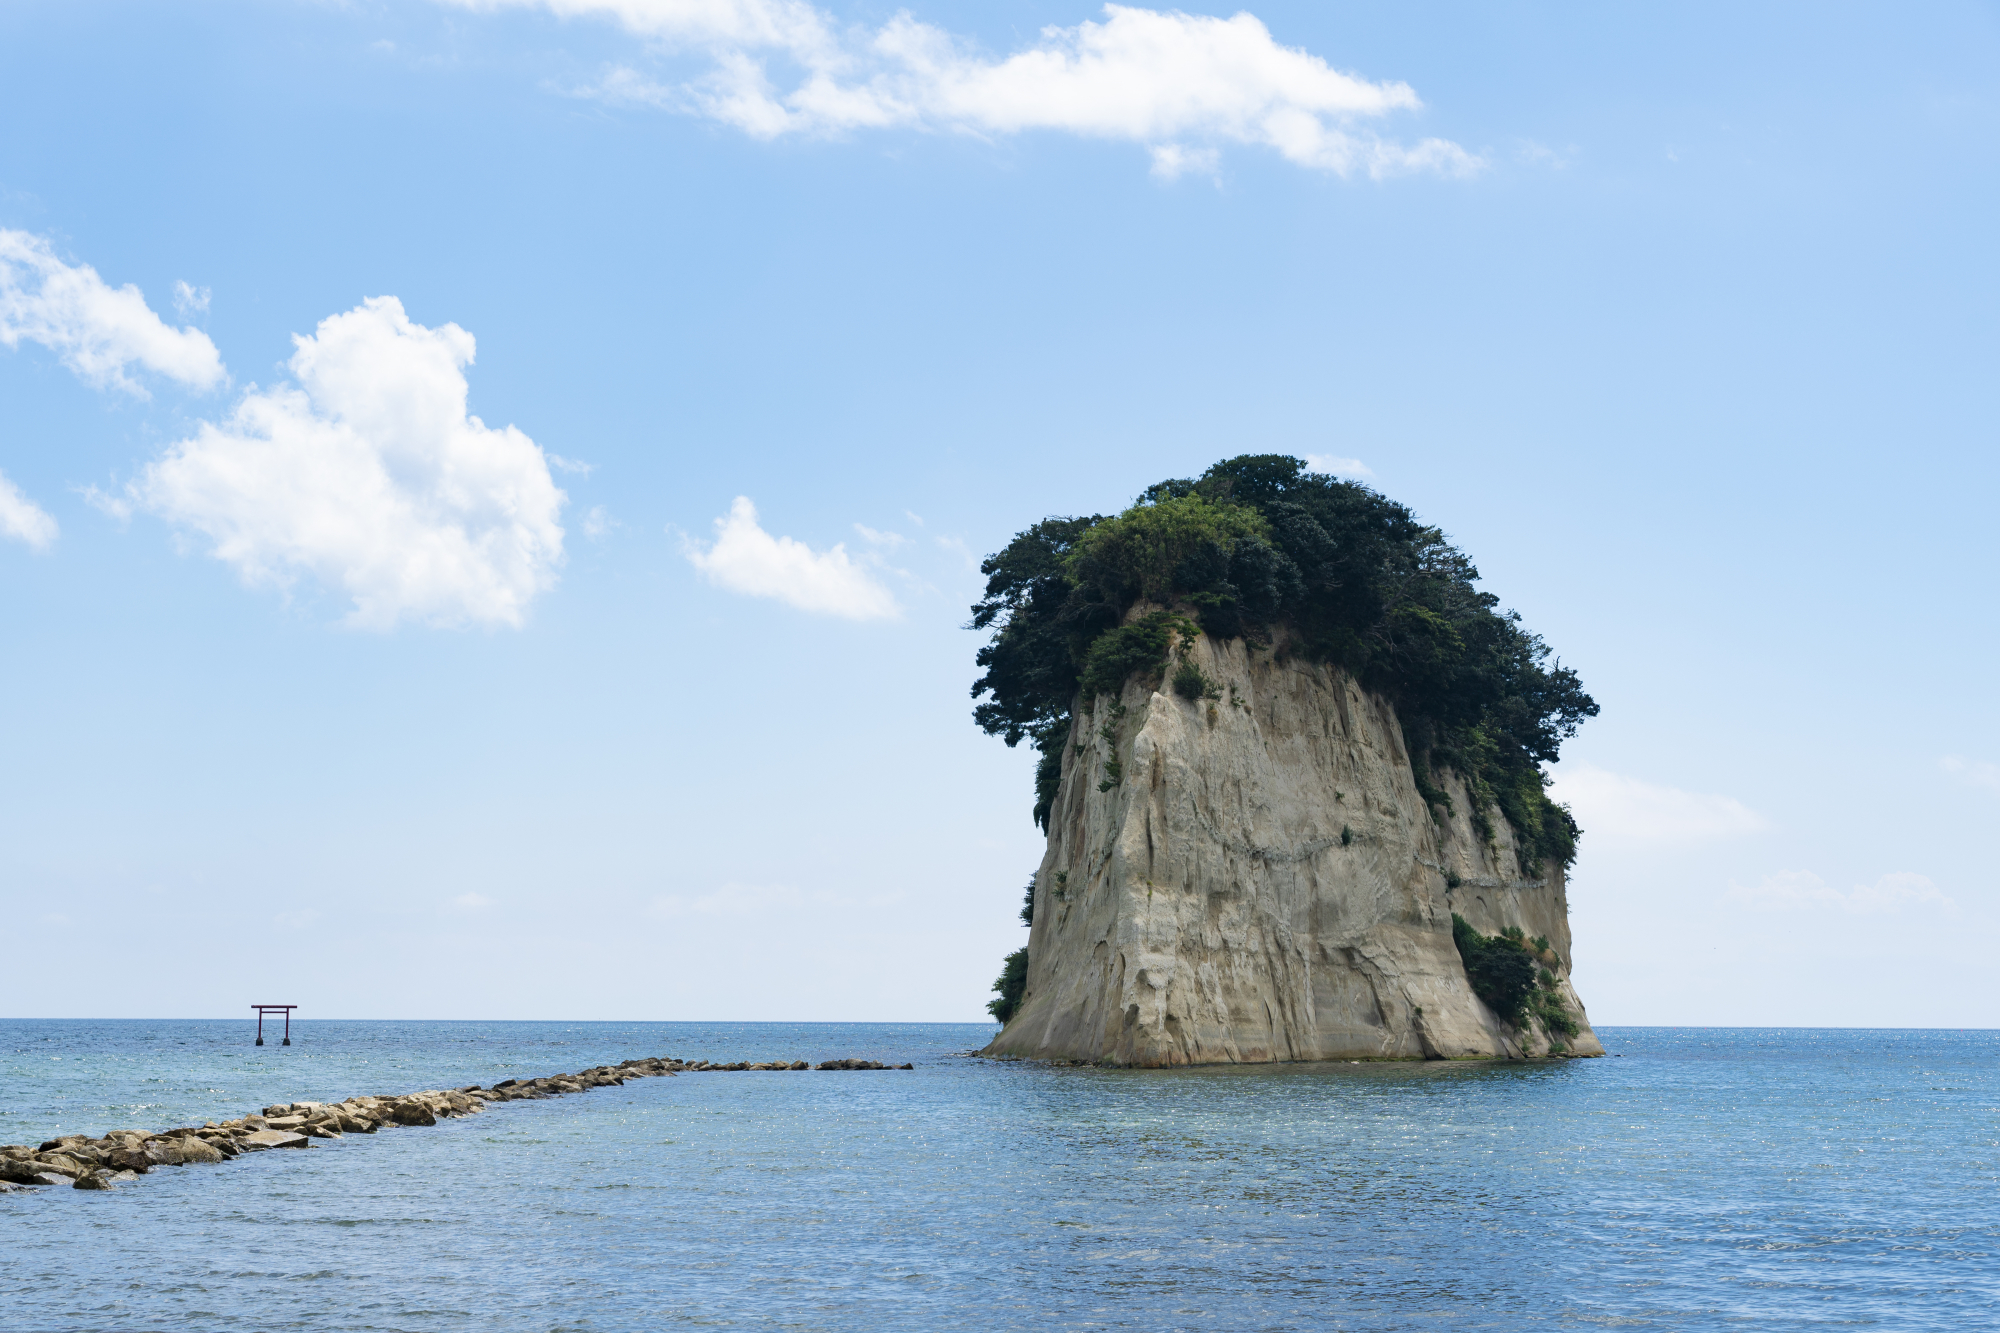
{"x":1257,"y":542}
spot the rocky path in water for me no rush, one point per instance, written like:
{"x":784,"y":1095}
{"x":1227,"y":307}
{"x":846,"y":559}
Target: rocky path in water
{"x":84,"y":1163}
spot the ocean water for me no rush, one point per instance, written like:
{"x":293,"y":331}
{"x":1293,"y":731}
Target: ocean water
{"x":1702,"y":1178}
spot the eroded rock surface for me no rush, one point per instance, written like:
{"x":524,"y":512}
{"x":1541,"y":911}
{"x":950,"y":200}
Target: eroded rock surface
{"x":1254,"y":877}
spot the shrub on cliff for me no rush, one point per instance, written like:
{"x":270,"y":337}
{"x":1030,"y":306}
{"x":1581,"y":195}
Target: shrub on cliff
{"x":1257,"y":542}
{"x":1011,"y":986}
{"x":1499,"y":967}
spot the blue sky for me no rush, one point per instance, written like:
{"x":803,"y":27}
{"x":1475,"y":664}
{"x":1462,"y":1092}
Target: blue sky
{"x":420,"y":668}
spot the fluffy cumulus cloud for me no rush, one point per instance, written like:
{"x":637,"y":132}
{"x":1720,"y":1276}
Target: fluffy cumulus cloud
{"x":369,"y":476}
{"x":744,"y":558}
{"x":24,"y":520}
{"x":1801,"y":889}
{"x":1610,"y":805}
{"x":1179,"y":84}
{"x":99,"y":331}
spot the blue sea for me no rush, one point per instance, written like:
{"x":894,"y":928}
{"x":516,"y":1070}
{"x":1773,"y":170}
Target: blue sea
{"x":1700,"y":1178}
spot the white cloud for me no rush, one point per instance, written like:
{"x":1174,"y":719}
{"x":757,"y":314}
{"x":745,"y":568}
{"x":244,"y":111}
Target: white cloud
{"x":598,"y":522}
{"x":744,"y":558}
{"x":1171,"y":161}
{"x":787,"y":25}
{"x":1179,"y":84}
{"x":1335,"y":466}
{"x":189,"y":299}
{"x":889,"y":539}
{"x":472,"y":901}
{"x":576,"y":465}
{"x":957,"y":546}
{"x":23,"y":519}
{"x":98,"y":331}
{"x":1609,"y":805}
{"x":370,"y":476}
{"x":1976,"y":772}
{"x":1801,"y":889}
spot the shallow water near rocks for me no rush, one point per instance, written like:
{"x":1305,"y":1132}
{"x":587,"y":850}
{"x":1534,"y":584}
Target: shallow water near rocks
{"x":1707,"y":1178}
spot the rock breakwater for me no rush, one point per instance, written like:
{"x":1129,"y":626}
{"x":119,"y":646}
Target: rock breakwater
{"x":86,"y":1163}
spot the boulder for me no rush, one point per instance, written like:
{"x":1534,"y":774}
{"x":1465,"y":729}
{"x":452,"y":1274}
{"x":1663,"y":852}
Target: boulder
{"x":273,"y":1138}
{"x":20,"y":1172}
{"x":90,"y":1180}
{"x":129,"y":1159}
{"x":318,"y":1129}
{"x":197,"y":1150}
{"x":284,"y":1121}
{"x":411,"y":1112}
{"x":61,"y":1163}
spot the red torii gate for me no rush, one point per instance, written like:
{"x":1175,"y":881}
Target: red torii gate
{"x":263,"y":1009}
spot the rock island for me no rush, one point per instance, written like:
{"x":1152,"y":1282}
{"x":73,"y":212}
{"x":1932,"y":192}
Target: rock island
{"x":1291,"y":782}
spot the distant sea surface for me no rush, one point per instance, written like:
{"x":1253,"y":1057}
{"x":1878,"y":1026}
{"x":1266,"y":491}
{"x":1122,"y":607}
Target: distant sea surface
{"x":1702,"y":1178}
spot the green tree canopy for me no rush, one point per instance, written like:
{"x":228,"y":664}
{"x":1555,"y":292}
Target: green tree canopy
{"x":1258,"y":542}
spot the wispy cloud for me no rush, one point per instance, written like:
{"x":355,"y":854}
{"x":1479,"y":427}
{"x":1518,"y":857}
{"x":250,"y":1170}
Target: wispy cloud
{"x":189,"y":299}
{"x":1181,"y":85}
{"x":1610,"y":805}
{"x":24,"y":520}
{"x":472,"y":902}
{"x":890,"y":540}
{"x":576,"y":465}
{"x":1171,"y":161}
{"x":1335,"y":466}
{"x":99,"y":331}
{"x":958,"y":548}
{"x":746,"y":559}
{"x":1973,"y":772}
{"x":1801,"y":889}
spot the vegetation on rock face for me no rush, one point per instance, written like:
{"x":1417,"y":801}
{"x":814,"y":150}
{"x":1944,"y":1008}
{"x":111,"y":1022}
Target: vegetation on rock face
{"x":1010,"y":987}
{"x":1499,"y":967}
{"x":1503,"y":971}
{"x":1255,"y":544}
{"x":1191,"y":683}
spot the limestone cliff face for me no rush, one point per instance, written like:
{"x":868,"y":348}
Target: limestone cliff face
{"x":1263,"y":882}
